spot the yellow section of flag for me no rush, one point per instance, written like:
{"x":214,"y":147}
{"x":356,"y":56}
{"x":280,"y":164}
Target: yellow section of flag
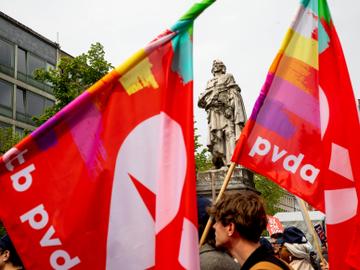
{"x":301,"y":48}
{"x":139,"y":77}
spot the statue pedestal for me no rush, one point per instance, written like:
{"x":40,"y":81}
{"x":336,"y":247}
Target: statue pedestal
{"x":208,"y":183}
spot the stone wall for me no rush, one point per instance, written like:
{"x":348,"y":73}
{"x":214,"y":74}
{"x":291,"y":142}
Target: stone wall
{"x":208,"y":183}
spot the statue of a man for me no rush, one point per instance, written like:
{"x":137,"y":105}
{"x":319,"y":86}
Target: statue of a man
{"x":225,"y":113}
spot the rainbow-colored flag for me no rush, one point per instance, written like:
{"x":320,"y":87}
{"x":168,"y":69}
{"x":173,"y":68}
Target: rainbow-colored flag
{"x":304,"y":129}
{"x":109,"y":181}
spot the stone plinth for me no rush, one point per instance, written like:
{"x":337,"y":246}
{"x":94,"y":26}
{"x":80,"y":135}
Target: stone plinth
{"x":208,"y":183}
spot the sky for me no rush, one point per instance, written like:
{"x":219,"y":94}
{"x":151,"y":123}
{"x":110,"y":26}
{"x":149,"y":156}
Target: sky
{"x":245,"y":35}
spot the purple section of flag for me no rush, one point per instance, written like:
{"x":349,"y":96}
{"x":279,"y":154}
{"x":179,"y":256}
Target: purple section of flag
{"x":295,"y":100}
{"x":273,"y":117}
{"x":270,"y":114}
{"x":85,"y":126}
{"x":47,"y":140}
{"x":45,"y":136}
{"x":277,"y":99}
{"x":260,"y":100}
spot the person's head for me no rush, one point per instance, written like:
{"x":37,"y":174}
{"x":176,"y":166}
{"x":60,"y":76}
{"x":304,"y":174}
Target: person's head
{"x":8,"y":255}
{"x":295,"y":245}
{"x":218,"y":67}
{"x":293,"y":235}
{"x":276,"y":241}
{"x":241,"y":213}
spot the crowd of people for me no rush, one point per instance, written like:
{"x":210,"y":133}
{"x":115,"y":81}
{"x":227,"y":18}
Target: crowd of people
{"x":235,"y":240}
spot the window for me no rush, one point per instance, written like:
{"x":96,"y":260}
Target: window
{"x":34,"y":63}
{"x":21,"y":61}
{"x":27,"y":64}
{"x":4,"y":125}
{"x":6,"y":57}
{"x":6,"y":94}
{"x":29,"y":104}
{"x":35,"y":104}
{"x":49,"y":103}
{"x":20,"y":105}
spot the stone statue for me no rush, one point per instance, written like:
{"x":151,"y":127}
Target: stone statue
{"x":226,"y":114}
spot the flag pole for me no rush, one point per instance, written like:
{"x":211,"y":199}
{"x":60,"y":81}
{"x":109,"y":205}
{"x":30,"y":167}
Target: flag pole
{"x":222,"y":190}
{"x":310,"y":228}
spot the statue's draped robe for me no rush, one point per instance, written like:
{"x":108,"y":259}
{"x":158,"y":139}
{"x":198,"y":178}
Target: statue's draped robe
{"x":226,"y":115}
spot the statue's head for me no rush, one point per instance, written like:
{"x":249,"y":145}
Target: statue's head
{"x":218,"y":67}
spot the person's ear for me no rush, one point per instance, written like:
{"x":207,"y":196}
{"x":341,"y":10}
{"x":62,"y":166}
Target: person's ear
{"x":5,"y":255}
{"x":231,"y":228}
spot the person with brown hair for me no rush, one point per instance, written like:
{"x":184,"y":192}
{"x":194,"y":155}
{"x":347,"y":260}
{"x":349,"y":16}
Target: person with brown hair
{"x":240,"y":218}
{"x":211,"y":257}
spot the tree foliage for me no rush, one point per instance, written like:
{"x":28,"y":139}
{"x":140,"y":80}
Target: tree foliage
{"x":7,"y":139}
{"x":73,"y":76}
{"x":202,"y":157}
{"x":270,"y":191}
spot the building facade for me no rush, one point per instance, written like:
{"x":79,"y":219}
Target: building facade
{"x":22,"y":51}
{"x":288,"y":203}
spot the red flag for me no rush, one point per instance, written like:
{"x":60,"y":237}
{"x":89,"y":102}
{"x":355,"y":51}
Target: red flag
{"x":109,"y":181}
{"x":304,"y":130}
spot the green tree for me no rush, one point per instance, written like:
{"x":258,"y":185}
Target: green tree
{"x":270,"y":191}
{"x":202,"y":157}
{"x":72,"y":76}
{"x":7,"y":139}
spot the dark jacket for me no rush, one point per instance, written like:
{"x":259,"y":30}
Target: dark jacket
{"x":264,"y":259}
{"x":211,"y":259}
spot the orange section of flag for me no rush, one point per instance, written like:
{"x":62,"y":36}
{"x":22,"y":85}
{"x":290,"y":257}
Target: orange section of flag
{"x":299,"y":74}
